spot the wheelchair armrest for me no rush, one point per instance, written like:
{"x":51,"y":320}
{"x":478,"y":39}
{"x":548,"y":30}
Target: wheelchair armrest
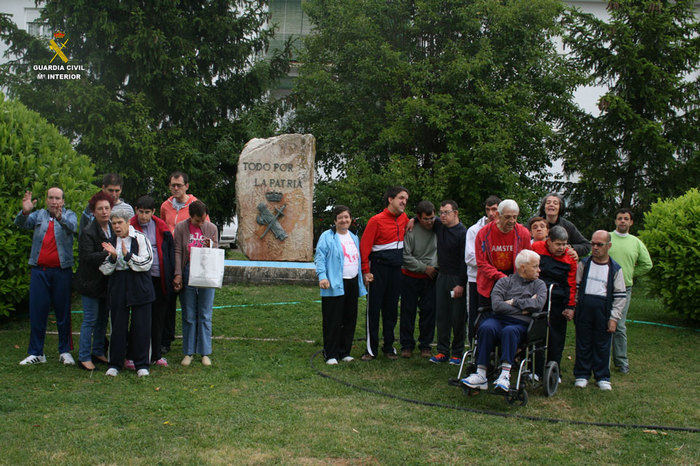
{"x":483,"y":309}
{"x":538,"y":315}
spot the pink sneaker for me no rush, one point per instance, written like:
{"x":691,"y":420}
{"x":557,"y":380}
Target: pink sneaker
{"x":129,"y":364}
{"x":161,"y":362}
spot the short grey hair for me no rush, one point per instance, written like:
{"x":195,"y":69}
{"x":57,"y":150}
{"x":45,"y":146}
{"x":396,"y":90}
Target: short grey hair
{"x":121,"y":213}
{"x":558,"y":233}
{"x":525,"y":256}
{"x":508,"y":204}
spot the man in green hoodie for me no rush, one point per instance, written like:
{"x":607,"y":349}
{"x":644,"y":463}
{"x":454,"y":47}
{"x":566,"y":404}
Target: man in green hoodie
{"x":628,"y":251}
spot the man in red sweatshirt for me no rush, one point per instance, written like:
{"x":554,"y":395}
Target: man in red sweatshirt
{"x":381,"y":248}
{"x":496,"y":246}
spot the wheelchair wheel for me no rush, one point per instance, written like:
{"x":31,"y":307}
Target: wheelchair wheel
{"x":551,"y":378}
{"x":519,"y":396}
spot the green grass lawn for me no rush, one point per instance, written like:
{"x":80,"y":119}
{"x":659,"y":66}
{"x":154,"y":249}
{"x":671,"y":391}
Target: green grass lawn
{"x":261,"y":402}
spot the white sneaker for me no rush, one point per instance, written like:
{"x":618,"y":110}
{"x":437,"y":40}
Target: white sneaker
{"x":348,"y":359}
{"x":503,"y":382}
{"x":604,"y":385}
{"x":66,"y":359}
{"x":476,"y":380}
{"x":142,"y":372}
{"x":112,"y":372}
{"x":32,"y":359}
{"x":206,"y":361}
{"x":581,"y":383}
{"x":187,"y":360}
{"x":332,"y":362}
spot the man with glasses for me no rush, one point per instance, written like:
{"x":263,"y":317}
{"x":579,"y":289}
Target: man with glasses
{"x":450,"y":300}
{"x":174,"y":210}
{"x":601,"y":298}
{"x":418,"y":283}
{"x":491,"y":206}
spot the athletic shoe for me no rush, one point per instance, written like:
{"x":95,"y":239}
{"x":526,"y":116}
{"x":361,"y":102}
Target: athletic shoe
{"x":206,"y":361}
{"x":604,"y":385}
{"x":439,"y":358}
{"x":332,"y":362}
{"x":406,"y":353}
{"x":426,"y":353}
{"x":476,"y":380}
{"x":112,"y":372}
{"x":581,"y":383}
{"x":66,"y":359}
{"x":367,"y":357}
{"x":142,"y":372}
{"x":348,"y":359}
{"x":161,"y":362}
{"x":393,"y":356}
{"x":624,"y":369}
{"x":503,"y":382}
{"x":129,"y":364}
{"x":455,"y":361}
{"x":33,"y":359}
{"x":186,"y":360}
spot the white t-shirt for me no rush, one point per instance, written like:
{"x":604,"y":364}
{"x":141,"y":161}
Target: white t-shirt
{"x":597,"y":283}
{"x":351,"y":257}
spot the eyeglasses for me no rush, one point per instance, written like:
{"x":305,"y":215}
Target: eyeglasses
{"x":176,"y":185}
{"x":600,"y":245}
{"x":445,"y":212}
{"x":427,"y":219}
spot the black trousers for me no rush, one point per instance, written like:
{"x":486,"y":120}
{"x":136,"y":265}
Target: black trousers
{"x":417,"y":293}
{"x":557,"y":335}
{"x":383,"y":298}
{"x":140,"y":327}
{"x":159,"y":309}
{"x":168,"y":333}
{"x":451,"y":316}
{"x":339,"y":320}
{"x":472,"y":310}
{"x":593,"y":341}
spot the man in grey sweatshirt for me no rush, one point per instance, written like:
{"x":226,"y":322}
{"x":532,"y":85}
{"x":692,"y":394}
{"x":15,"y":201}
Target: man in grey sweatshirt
{"x":418,"y":274}
{"x":513,"y":299}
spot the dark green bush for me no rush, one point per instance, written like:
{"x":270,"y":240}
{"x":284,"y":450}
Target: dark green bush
{"x":34,"y":156}
{"x":672,"y":235}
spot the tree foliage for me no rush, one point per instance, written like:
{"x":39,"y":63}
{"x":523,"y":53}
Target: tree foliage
{"x":34,"y":156}
{"x":168,"y":86}
{"x":672,"y":229}
{"x":644,"y":143}
{"x":450,"y":99}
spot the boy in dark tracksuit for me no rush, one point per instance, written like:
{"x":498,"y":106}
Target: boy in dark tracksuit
{"x":601,"y":298}
{"x":381,"y":249}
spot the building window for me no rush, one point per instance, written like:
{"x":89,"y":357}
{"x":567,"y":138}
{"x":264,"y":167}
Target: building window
{"x":35,"y":26}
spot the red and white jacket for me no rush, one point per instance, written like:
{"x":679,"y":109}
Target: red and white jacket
{"x":382,"y":240}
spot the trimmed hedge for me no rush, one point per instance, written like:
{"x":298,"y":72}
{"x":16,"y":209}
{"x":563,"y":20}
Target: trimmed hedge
{"x":34,"y":156}
{"x":672,"y":235}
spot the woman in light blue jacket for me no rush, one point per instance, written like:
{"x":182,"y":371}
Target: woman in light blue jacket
{"x":339,"y":273}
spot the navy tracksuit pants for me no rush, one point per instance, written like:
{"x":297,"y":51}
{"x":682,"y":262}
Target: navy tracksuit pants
{"x":138,"y":333}
{"x":49,"y":286}
{"x":593,"y":341}
{"x":339,"y":319}
{"x":383,"y":297}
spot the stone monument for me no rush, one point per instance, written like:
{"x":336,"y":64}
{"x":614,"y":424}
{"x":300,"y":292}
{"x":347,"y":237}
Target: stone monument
{"x":274,"y":197}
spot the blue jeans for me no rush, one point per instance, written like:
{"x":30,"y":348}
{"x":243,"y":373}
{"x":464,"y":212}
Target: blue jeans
{"x":507,"y":330}
{"x":197,"y":309}
{"x":49,"y":287}
{"x":93,"y":328}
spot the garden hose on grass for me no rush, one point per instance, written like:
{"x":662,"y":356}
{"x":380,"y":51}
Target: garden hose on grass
{"x":494,"y":413}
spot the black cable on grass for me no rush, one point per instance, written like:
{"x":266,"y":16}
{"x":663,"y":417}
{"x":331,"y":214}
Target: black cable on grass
{"x":494,"y":413}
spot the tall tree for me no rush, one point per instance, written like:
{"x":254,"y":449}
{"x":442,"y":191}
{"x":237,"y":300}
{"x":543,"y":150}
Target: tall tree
{"x":167,"y":85}
{"x":644,"y":143}
{"x":450,"y":98}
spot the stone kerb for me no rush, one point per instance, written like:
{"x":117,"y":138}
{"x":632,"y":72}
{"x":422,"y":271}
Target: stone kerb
{"x":274,"y":196}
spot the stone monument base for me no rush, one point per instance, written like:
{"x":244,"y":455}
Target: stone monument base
{"x":269,"y":272}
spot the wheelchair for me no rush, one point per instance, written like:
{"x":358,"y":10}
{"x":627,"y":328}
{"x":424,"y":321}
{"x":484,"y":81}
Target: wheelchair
{"x":531,"y":351}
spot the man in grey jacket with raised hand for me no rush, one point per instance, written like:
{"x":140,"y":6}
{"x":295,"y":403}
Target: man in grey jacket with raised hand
{"x":513,"y":299}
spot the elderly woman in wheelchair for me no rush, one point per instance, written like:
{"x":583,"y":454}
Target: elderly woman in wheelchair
{"x":513,"y":300}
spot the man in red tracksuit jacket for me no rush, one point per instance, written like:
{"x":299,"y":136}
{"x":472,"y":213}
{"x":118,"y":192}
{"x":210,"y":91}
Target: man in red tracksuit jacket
{"x":381,"y":248}
{"x":496,"y":246}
